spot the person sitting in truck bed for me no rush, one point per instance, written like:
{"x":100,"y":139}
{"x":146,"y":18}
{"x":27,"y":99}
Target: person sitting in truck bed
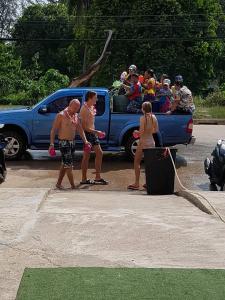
{"x":183,"y":100}
{"x":134,"y":94}
{"x":132,"y":70}
{"x":165,"y":96}
{"x":149,"y":85}
{"x":125,"y":78}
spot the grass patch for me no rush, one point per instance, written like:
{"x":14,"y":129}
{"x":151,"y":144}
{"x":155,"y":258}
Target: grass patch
{"x":121,"y":283}
{"x":205,"y":111}
{"x":217,"y":112}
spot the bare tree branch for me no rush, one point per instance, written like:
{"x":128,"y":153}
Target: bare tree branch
{"x":86,"y":77}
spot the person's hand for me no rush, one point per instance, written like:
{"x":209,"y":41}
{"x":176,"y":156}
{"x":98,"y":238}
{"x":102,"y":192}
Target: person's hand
{"x":99,"y":133}
{"x":169,"y":112}
{"x":136,"y":134}
{"x":51,"y":147}
{"x":87,"y":143}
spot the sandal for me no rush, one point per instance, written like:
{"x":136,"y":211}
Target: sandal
{"x":133,"y":187}
{"x":88,"y":181}
{"x":101,"y":181}
{"x":59,"y":187}
{"x":145,"y":186}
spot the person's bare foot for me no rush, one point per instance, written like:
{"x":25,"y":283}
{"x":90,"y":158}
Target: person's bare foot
{"x":59,"y":187}
{"x":134,"y":187}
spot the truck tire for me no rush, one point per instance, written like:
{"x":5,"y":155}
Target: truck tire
{"x":16,"y":145}
{"x":131,"y":146}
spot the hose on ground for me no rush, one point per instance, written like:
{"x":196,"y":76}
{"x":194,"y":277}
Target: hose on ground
{"x":181,"y":187}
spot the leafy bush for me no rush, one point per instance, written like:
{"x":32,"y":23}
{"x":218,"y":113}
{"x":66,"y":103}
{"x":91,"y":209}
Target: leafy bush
{"x":4,"y":101}
{"x":52,"y":81}
{"x":29,"y":92}
{"x":19,"y":98}
{"x":215,"y":99}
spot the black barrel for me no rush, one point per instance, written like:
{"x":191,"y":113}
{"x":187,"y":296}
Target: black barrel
{"x":159,"y":171}
{"x":120,"y":103}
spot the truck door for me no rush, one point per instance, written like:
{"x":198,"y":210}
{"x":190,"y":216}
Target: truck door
{"x":103,"y":115}
{"x":42,"y":122}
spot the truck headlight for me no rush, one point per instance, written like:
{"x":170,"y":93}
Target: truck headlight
{"x":2,"y":125}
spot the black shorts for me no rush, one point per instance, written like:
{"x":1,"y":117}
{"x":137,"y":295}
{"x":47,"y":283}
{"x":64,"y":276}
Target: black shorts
{"x":92,"y":138}
{"x":67,"y":149}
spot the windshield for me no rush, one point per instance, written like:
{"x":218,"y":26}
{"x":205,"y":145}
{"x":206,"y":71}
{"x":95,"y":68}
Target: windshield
{"x":37,"y":104}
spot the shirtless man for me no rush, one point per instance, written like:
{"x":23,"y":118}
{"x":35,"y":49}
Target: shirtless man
{"x":66,"y":124}
{"x":87,"y":114}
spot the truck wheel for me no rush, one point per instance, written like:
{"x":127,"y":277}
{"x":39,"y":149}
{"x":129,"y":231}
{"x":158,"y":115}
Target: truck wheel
{"x":131,"y":147}
{"x":16,"y":145}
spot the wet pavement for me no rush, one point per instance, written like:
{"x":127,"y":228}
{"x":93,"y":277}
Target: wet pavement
{"x":37,"y":170}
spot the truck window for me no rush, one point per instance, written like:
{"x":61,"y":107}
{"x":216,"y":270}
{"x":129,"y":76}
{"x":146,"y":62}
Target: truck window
{"x":100,"y":105}
{"x":61,"y":103}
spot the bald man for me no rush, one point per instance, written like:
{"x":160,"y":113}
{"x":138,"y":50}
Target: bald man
{"x":66,"y":124}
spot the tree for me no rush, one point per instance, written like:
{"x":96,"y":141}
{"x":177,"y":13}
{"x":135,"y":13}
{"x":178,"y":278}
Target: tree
{"x":167,"y":35}
{"x":10,"y":71}
{"x":8,"y":13}
{"x":40,"y":26}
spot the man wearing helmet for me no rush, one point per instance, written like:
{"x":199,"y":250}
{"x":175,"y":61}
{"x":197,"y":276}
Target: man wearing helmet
{"x":134,"y":94}
{"x":132,"y":70}
{"x":183,"y":100}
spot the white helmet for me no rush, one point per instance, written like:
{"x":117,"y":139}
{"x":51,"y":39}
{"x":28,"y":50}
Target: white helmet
{"x":133,"y":68}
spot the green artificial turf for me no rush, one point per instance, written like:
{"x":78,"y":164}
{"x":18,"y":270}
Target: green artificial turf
{"x":124,"y":283}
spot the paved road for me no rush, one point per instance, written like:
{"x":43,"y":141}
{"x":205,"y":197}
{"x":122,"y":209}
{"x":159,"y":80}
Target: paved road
{"x":38,"y":170}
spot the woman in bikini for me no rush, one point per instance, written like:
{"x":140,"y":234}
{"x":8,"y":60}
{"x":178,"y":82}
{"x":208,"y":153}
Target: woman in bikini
{"x":148,"y":126}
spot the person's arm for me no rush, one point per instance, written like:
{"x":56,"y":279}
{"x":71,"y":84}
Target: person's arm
{"x":85,"y":124}
{"x":175,"y":102}
{"x":127,"y":89}
{"x":55,"y":127}
{"x":130,"y":91}
{"x":142,"y":126}
{"x":155,"y":125}
{"x":81,"y":132}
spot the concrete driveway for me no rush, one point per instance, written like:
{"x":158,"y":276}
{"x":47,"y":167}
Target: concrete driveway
{"x":107,"y":229}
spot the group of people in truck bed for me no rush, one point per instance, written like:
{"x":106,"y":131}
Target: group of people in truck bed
{"x":164,"y":97}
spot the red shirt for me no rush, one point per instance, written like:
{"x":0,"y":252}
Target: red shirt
{"x":136,"y":91}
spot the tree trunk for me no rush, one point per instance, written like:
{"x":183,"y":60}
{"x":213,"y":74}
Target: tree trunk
{"x":87,"y":75}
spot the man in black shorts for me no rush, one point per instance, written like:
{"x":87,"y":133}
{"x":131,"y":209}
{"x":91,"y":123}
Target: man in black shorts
{"x":87,"y":115}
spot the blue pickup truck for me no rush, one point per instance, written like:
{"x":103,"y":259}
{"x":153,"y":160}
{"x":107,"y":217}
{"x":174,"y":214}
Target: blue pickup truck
{"x":29,"y":128}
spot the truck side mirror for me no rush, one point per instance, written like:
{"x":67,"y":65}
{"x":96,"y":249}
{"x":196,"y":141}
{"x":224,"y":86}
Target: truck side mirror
{"x":43,"y":109}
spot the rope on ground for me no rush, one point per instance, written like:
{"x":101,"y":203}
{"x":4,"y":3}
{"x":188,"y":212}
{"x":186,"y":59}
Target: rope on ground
{"x":181,"y":187}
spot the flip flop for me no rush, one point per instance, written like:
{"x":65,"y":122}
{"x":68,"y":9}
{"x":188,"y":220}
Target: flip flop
{"x":60,"y":188}
{"x":88,"y":181}
{"x":101,"y":181}
{"x":133,"y":187}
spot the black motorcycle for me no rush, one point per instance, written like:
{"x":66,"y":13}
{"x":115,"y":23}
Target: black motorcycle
{"x":3,"y":171}
{"x":215,"y":167}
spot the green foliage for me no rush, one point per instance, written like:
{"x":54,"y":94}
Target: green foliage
{"x":26,"y":87}
{"x":215,"y":99}
{"x":195,"y":59}
{"x":142,"y":35}
{"x":10,"y":71}
{"x":46,"y":21}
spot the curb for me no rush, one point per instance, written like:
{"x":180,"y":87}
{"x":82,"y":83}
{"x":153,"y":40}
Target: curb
{"x":198,"y":200}
{"x":209,"y":121}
